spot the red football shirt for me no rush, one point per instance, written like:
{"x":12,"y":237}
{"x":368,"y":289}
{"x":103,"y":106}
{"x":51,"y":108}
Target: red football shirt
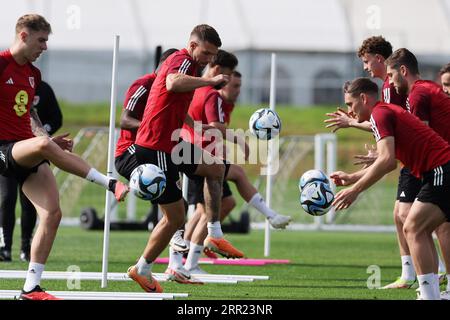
{"x":227,"y":109}
{"x":419,"y":147}
{"x":166,"y":111}
{"x":390,"y":95}
{"x":428,"y":102}
{"x":18,"y":84}
{"x":135,"y":101}
{"x":206,"y":107}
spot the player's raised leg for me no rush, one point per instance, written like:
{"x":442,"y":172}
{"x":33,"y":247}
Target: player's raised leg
{"x":29,"y":153}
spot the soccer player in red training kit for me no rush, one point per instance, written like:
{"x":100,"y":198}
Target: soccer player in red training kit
{"x":130,"y":120}
{"x":401,"y":135}
{"x":125,"y":158}
{"x":25,"y":156}
{"x":373,"y":52}
{"x":207,"y":108}
{"x":222,"y":63}
{"x":427,"y":101}
{"x":49,"y":113}
{"x":157,"y":143}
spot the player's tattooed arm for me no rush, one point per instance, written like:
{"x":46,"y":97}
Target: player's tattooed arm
{"x":36,"y":124}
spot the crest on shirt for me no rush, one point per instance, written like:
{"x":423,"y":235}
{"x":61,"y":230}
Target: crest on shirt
{"x":31,"y":79}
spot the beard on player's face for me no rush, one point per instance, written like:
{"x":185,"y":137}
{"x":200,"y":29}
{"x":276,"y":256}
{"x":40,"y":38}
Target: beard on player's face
{"x":401,"y":85}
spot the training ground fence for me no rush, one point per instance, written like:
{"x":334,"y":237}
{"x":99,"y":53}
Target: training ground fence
{"x":371,"y":212}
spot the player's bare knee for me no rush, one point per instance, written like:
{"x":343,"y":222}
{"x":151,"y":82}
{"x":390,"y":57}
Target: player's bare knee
{"x":412,"y":229}
{"x":397,"y":219}
{"x":402,"y":215}
{"x":407,"y":230}
{"x":51,"y":218}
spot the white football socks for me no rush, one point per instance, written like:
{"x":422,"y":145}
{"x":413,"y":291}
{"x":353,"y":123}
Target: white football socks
{"x":193,"y":256}
{"x":34,"y":275}
{"x":408,"y":272}
{"x":215,"y":230}
{"x":175,"y":259}
{"x":143,"y":267}
{"x":188,"y":243}
{"x":429,"y":286}
{"x":98,"y":178}
{"x":259,"y":204}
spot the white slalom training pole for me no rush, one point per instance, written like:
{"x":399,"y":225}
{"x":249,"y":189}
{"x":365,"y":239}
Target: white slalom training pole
{"x":109,"y":196}
{"x":319,"y":155}
{"x":269,"y":155}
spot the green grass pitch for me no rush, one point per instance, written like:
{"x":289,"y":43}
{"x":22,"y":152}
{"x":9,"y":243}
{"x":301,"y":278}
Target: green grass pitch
{"x":324,"y":265}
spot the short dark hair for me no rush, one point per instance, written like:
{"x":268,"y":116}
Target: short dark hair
{"x":207,"y":33}
{"x":403,"y":57}
{"x":34,"y":22}
{"x":224,"y":59}
{"x":236,"y":74}
{"x":375,"y":45}
{"x":166,"y":54}
{"x":445,"y":69}
{"x":360,"y":85}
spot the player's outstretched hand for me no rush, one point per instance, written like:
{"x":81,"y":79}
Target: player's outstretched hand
{"x":369,"y":158}
{"x":339,"y":119}
{"x":341,"y":178}
{"x":63,"y":142}
{"x":345,"y":198}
